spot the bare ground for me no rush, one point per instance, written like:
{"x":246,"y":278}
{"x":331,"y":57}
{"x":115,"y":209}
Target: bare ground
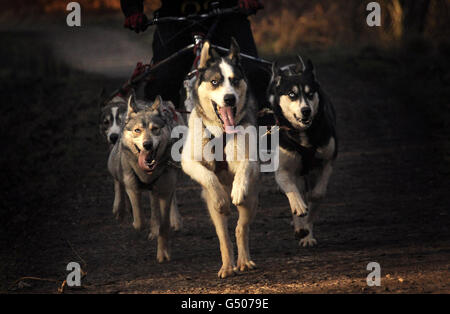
{"x":387,"y":202}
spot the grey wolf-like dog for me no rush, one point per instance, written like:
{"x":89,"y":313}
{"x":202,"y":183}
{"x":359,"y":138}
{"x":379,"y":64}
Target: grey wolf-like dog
{"x":140,"y":161}
{"x":112,"y":115}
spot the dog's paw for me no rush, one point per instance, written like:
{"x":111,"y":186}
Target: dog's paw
{"x":308,"y":241}
{"x":154,"y":229}
{"x":119,"y":212}
{"x":226,"y":271}
{"x":298,"y":207}
{"x":176,"y":222}
{"x":238,"y":193}
{"x":243,"y":265}
{"x":301,"y":233}
{"x":153,"y":234}
{"x":137,"y":225}
{"x":163,"y":255}
{"x":119,"y":215}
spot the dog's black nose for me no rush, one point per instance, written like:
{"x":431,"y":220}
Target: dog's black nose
{"x":113,"y":138}
{"x":148,"y":145}
{"x":306,"y":112}
{"x":230,"y":100}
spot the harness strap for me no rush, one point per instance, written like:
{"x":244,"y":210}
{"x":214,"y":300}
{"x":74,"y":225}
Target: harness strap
{"x":174,"y":113}
{"x":307,"y":153}
{"x":162,"y":164}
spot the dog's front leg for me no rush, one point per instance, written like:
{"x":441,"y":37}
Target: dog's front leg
{"x":247,"y":172}
{"x":320,"y":188}
{"x":155,"y":217}
{"x":119,"y":199}
{"x":220,"y":222}
{"x":135,"y":199}
{"x":210,"y":183}
{"x":163,"y":251}
{"x":176,"y":221}
{"x":304,"y":225}
{"x":128,"y":208}
{"x":287,"y":182}
{"x":247,"y":212}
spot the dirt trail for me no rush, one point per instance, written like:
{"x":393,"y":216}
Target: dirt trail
{"x":386,"y":203}
{"x":108,"y":51}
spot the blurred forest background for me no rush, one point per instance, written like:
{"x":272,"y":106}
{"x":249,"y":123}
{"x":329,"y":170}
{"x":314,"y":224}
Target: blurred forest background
{"x":287,"y":25}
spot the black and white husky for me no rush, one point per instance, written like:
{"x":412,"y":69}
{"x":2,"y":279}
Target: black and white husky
{"x":222,"y":102}
{"x":308,"y":144}
{"x":112,"y":114}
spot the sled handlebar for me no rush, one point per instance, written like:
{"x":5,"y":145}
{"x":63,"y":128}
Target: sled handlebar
{"x":196,"y":17}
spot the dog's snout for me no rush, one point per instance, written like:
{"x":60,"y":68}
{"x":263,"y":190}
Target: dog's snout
{"x":306,"y":112}
{"x":229,"y":99}
{"x":113,"y":138}
{"x":148,"y":145}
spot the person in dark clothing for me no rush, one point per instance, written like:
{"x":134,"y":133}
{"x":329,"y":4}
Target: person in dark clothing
{"x":171,"y":37}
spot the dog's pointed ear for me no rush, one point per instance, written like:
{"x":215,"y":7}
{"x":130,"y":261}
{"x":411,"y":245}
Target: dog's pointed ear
{"x":207,"y":54}
{"x":310,"y":68}
{"x":235,"y":51}
{"x":157,"y":103}
{"x":300,"y":66}
{"x":204,"y":55}
{"x":276,"y":73}
{"x":132,"y":106}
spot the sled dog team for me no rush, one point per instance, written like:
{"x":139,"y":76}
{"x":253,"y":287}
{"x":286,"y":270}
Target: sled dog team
{"x":140,"y":160}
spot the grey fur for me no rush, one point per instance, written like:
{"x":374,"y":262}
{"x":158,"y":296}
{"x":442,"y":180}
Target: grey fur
{"x":154,"y":123}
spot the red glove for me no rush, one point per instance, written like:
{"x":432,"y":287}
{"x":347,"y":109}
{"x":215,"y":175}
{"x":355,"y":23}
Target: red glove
{"x":138,"y":70}
{"x":136,"y":22}
{"x":250,"y":6}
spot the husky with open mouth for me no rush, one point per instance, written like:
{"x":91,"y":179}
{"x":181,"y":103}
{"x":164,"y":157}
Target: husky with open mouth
{"x":222,"y":102}
{"x":112,"y":115}
{"x":308,"y":143}
{"x":141,"y":160}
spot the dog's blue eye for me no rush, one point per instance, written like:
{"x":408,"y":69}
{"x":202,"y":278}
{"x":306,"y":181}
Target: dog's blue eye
{"x":292,"y":95}
{"x":214,"y":82}
{"x":137,"y":131}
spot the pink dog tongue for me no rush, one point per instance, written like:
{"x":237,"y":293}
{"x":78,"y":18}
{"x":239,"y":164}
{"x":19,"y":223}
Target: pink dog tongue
{"x":142,"y":161}
{"x":226,"y":113}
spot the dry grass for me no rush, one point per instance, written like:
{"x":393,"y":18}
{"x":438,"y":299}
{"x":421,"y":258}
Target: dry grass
{"x":286,"y":26}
